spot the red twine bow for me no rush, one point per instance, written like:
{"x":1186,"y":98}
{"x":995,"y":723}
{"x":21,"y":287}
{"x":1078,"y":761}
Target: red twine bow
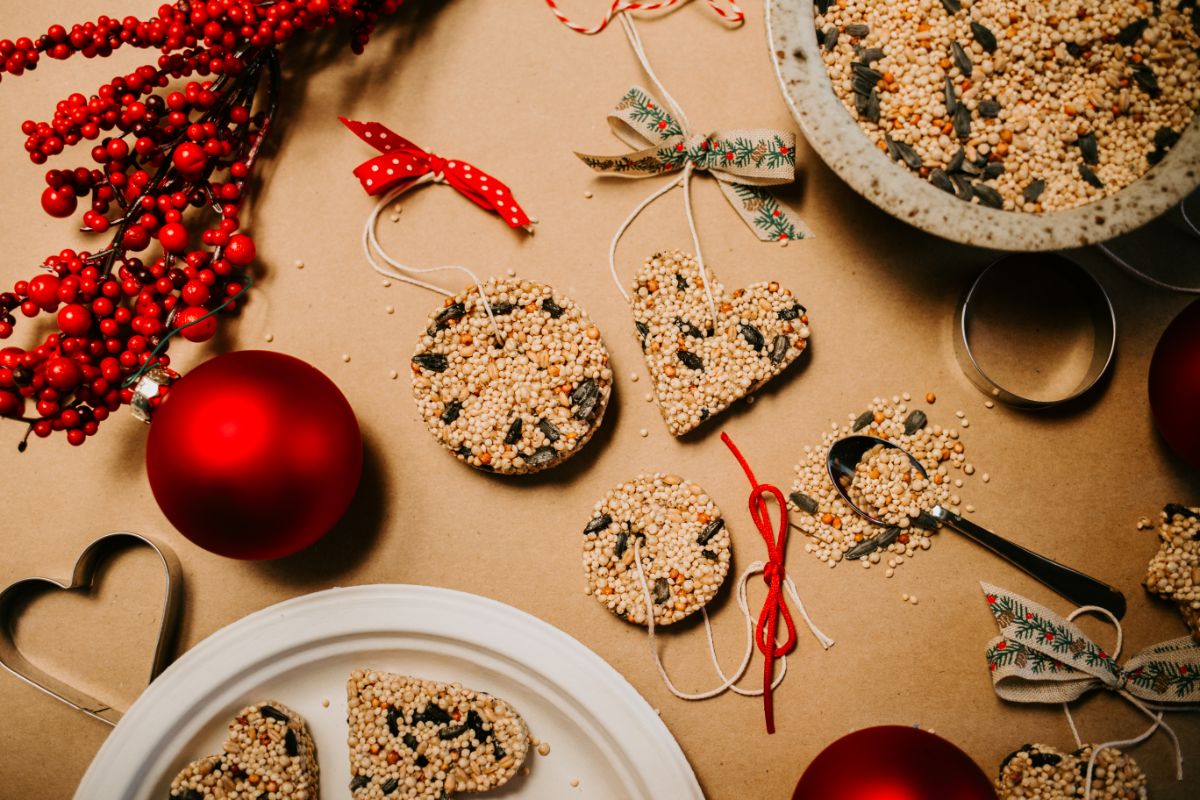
{"x":403,"y":162}
{"x":733,"y":14}
{"x":773,"y":575}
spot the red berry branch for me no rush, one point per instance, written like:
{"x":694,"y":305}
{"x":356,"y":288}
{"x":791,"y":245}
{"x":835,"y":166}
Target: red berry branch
{"x":168,"y":164}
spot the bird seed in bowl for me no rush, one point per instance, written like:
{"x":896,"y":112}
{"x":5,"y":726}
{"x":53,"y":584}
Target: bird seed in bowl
{"x":681,"y":537}
{"x":521,"y":403}
{"x":1022,"y":106}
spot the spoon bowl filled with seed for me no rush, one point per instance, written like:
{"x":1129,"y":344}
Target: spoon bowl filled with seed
{"x":999,"y":123}
{"x":884,"y":483}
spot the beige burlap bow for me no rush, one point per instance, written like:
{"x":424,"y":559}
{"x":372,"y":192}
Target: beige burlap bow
{"x":744,"y":162}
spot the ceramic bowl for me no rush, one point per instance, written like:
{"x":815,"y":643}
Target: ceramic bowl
{"x":836,"y":137}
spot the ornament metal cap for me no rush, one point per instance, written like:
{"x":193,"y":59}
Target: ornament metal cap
{"x":147,"y":388}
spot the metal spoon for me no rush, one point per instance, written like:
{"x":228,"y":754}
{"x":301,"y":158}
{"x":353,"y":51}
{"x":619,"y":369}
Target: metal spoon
{"x":1081,"y":589}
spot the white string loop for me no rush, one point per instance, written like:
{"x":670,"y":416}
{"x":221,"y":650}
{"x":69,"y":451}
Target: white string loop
{"x":728,"y":682}
{"x":403,"y":272}
{"x":1157,"y":719}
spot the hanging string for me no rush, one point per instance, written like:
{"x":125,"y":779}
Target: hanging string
{"x":1157,"y":719}
{"x":733,"y":14}
{"x":635,"y":42}
{"x":403,"y":272}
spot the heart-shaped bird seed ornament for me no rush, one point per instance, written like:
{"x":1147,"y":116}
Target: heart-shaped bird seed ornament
{"x":699,"y":365}
{"x":82,"y":579}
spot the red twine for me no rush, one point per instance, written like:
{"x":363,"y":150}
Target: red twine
{"x":773,"y":575}
{"x":403,"y":162}
{"x":733,"y":15}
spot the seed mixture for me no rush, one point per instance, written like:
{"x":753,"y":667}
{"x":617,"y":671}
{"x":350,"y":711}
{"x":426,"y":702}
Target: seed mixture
{"x":889,"y":488}
{"x":1022,"y":106}
{"x":269,"y":753}
{"x":1039,"y":772}
{"x":700,"y":366}
{"x":521,"y":406}
{"x":835,"y":532}
{"x":681,"y":537}
{"x":413,"y":739}
{"x":1174,"y":572}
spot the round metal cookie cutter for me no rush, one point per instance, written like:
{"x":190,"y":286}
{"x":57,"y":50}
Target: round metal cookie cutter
{"x":1089,"y":290}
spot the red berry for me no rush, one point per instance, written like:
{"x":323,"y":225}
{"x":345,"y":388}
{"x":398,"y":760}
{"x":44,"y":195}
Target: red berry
{"x":240,"y":250}
{"x":43,"y":290}
{"x":74,"y":320}
{"x":63,"y":374}
{"x":174,"y":237}
{"x":59,"y":202}
{"x":195,"y":293}
{"x":11,"y":404}
{"x":190,"y":160}
{"x":195,"y":331}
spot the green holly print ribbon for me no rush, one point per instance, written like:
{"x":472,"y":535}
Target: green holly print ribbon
{"x":744,"y":162}
{"x":1040,"y":657}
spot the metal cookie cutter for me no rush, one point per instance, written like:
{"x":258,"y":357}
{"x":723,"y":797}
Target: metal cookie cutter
{"x":82,"y":578}
{"x":1104,"y":325}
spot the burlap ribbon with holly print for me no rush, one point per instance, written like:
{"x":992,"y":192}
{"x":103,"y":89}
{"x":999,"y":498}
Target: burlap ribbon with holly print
{"x":1042,"y":658}
{"x":742,"y":161}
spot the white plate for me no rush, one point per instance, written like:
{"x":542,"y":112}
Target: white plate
{"x":300,"y":652}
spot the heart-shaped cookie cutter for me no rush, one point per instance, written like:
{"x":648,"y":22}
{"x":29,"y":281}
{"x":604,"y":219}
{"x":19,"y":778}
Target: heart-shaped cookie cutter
{"x":83,"y":578}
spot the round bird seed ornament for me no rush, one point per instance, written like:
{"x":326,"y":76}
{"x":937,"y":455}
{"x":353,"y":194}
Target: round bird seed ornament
{"x":509,"y":375}
{"x":705,"y":348}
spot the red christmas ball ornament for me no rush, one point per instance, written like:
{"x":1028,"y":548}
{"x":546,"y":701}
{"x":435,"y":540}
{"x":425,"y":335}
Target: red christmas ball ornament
{"x":1174,"y":384}
{"x":893,"y":762}
{"x":254,"y":455}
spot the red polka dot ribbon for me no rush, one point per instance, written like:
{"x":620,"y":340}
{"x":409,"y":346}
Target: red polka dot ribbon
{"x":402,"y":162}
{"x":728,"y":11}
{"x":774,"y":606}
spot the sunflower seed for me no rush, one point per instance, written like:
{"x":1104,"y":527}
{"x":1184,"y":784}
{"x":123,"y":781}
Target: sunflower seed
{"x":915,"y":422}
{"x":951,"y":96}
{"x":1165,"y":138}
{"x":831,"y":37}
{"x":1145,"y":78}
{"x":989,"y":109}
{"x":902,"y":151}
{"x":1088,"y":148}
{"x":622,"y":544}
{"x":863,"y":548}
{"x":803,"y":502}
{"x":987,"y":195}
{"x":271,"y":712}
{"x":1178,"y":509}
{"x":541,"y":457}
{"x":780,"y":348}
{"x":501,"y":309}
{"x":941,"y":180}
{"x":751,"y":334}
{"x":709,"y":554}
{"x":598,"y":524}
{"x":1091,"y":177}
{"x":889,"y":535}
{"x":795,"y":312}
{"x":549,"y":429}
{"x":691,"y":360}
{"x":962,"y":187}
{"x":872,"y":76}
{"x":864,"y":419}
{"x":290,"y":746}
{"x":862,"y":88}
{"x":870,"y":56}
{"x":358,"y":782}
{"x":858,"y":30}
{"x":962,"y":121}
{"x":514,"y":432}
{"x":823,"y":6}
{"x":680,"y":282}
{"x":957,"y":160}
{"x":452,"y":732}
{"x":961,"y":59}
{"x":1133,"y":31}
{"x":587,"y":396}
{"x":452,"y":312}
{"x":688,"y":329}
{"x":993,"y":170}
{"x":1034,"y":190}
{"x":983,"y":35}
{"x":453,"y":409}
{"x":390,"y":785}
{"x":662,"y":591}
{"x":434,"y":362}
{"x":952,"y":6}
{"x":393,"y":721}
{"x":710,"y":530}
{"x":431,"y":713}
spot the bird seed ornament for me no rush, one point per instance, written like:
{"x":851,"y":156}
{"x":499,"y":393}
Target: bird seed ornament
{"x":509,"y":375}
{"x":704,"y":349}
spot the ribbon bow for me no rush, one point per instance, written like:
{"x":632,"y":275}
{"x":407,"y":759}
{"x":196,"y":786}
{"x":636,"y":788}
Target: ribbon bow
{"x":731,"y":14}
{"x":403,"y":162}
{"x":1042,"y":658}
{"x":742,"y":161}
{"x":774,"y":576}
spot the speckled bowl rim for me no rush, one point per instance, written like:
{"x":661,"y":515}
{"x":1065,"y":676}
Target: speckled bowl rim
{"x":836,"y":137}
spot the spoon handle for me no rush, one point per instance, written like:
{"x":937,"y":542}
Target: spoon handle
{"x":1070,"y":583}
